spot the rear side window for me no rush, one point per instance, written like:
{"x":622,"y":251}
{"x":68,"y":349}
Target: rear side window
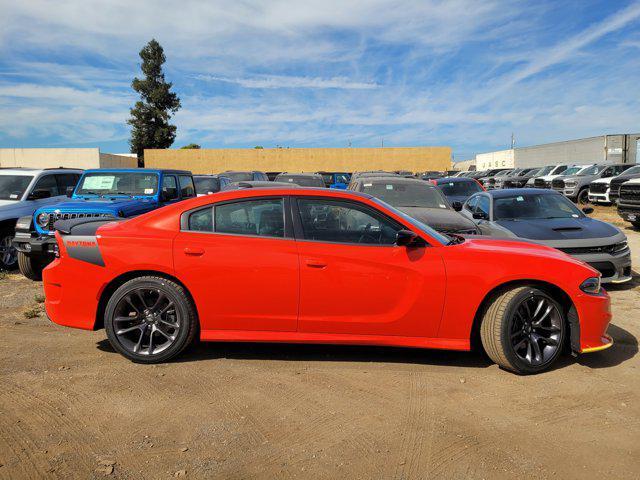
{"x":186,"y":186}
{"x":170,"y":187}
{"x":202,"y":220}
{"x":67,"y":182}
{"x":264,"y":218}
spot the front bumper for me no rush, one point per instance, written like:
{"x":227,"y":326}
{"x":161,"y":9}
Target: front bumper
{"x":613,"y":268}
{"x":34,"y":245}
{"x":599,"y":197}
{"x":594,"y":313}
{"x":629,"y":215}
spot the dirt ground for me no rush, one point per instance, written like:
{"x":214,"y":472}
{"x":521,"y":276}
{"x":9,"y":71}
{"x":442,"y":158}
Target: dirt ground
{"x":70,"y":407}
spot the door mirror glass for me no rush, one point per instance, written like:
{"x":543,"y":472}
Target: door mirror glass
{"x":457,"y":206}
{"x":479,"y":215}
{"x":39,"y":194}
{"x":406,"y":238}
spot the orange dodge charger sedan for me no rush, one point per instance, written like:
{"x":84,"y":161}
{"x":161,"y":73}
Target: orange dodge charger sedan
{"x":312,"y":265}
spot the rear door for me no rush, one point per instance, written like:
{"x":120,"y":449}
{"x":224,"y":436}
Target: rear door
{"x":239,"y":261}
{"x":355,"y":280}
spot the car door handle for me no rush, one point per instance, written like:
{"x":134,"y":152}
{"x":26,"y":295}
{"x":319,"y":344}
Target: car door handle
{"x":315,"y":263}
{"x":194,"y":251}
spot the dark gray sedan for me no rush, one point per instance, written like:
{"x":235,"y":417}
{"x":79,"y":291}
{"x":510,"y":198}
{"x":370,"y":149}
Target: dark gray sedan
{"x":549,"y":218}
{"x":418,"y":199}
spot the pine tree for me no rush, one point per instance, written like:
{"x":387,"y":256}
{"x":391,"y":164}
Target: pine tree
{"x":150,"y":115}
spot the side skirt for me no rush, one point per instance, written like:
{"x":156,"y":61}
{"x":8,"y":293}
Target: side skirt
{"x":333,"y":339}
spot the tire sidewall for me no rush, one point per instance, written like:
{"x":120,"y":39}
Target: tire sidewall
{"x":509,"y":352}
{"x":4,"y":233}
{"x":182,"y":306}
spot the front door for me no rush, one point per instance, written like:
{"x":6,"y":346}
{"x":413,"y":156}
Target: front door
{"x":355,"y":280}
{"x":241,"y":266}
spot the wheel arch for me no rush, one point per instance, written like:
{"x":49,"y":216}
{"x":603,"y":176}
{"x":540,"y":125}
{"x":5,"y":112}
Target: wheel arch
{"x":121,"y":279}
{"x":557,"y":293}
{"x":8,"y":223}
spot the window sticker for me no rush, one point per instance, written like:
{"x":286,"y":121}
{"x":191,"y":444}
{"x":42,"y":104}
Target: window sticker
{"x":442,"y":206}
{"x":13,"y":196}
{"x":575,"y":215}
{"x":520,"y":199}
{"x":148,"y":191}
{"x":368,"y":184}
{"x":389,"y":187}
{"x":99,"y":183}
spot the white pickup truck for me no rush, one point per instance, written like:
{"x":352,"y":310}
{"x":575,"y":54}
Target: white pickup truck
{"x":22,"y":191}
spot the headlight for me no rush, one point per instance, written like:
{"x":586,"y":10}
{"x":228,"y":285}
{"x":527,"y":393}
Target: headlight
{"x":570,"y":184}
{"x":591,"y":285}
{"x":619,"y":247}
{"x":43,"y":219}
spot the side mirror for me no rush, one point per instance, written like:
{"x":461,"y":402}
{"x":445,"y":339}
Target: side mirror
{"x":39,"y":194}
{"x":587,"y":210}
{"x":406,"y":238}
{"x":457,"y":206}
{"x":69,"y":191}
{"x":479,"y":215}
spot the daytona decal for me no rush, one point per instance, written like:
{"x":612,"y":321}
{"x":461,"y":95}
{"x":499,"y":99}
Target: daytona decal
{"x":84,"y":248}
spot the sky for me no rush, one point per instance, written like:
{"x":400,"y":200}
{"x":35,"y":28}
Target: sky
{"x":324,"y":73}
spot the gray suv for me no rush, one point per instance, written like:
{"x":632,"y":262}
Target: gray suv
{"x":574,"y":184}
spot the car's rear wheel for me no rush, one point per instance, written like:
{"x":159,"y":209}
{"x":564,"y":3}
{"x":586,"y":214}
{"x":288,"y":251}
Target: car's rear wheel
{"x":523,"y":330}
{"x":150,"y":319}
{"x":30,"y":267}
{"x":8,"y":254}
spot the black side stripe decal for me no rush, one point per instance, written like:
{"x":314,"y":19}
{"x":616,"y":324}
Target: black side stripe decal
{"x":84,"y":248}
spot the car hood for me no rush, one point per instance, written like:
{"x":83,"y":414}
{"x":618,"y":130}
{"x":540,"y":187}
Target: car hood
{"x":578,"y":177}
{"x":559,"y":228}
{"x":9,"y":209}
{"x":128,"y":206}
{"x":439,"y":218}
{"x":603,"y":180}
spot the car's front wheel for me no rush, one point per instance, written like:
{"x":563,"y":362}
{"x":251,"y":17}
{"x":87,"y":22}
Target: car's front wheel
{"x":150,"y":319}
{"x":523,"y":330}
{"x":8,"y":254}
{"x":583,"y":197}
{"x":30,"y":267}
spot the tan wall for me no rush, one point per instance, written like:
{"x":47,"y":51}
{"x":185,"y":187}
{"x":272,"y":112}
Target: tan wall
{"x":63,"y":157}
{"x":109,"y":160}
{"x":499,"y":159}
{"x":414,"y":159}
{"x":464,"y":165}
{"x":50,"y":157}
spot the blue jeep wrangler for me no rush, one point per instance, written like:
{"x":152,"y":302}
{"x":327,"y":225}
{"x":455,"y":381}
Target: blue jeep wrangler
{"x":100,"y":194}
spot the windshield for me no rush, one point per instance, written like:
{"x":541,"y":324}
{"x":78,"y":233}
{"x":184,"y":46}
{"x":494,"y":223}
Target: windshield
{"x":594,"y":170}
{"x":572,"y":170}
{"x":532,"y":206}
{"x":302,"y":180}
{"x":440,"y":237}
{"x":239,"y":176}
{"x":118,"y":183}
{"x":12,"y":187}
{"x":503,"y":173}
{"x":545,"y":170}
{"x":206,"y":184}
{"x":462,"y":189}
{"x":407,"y":194}
{"x":632,"y":171}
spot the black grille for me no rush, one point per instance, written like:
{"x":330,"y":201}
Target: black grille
{"x":614,"y":192}
{"x":538,"y":183}
{"x":598,"y":188}
{"x":615,"y":248}
{"x":557,"y":184}
{"x":605,"y":268}
{"x":630,"y":194}
{"x":54,"y":217}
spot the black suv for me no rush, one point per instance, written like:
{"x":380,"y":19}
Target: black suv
{"x":616,"y":183}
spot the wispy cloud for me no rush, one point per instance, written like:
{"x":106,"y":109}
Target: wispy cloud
{"x":282,"y":81}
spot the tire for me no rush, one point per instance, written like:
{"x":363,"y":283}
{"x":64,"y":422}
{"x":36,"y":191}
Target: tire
{"x":502,"y":336}
{"x":142,"y":325}
{"x":30,"y":267}
{"x":8,"y":254}
{"x":583,"y":197}
{"x":636,"y":224}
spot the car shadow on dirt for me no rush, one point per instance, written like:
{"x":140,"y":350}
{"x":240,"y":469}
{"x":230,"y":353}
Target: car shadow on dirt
{"x":624,"y":348}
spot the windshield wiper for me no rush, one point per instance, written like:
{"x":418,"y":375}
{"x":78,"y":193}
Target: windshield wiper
{"x":455,"y":239}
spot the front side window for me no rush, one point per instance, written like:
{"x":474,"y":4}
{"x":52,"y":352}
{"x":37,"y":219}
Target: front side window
{"x":169,"y":187}
{"x":345,"y":222}
{"x":47,"y":184}
{"x":264,"y":217}
{"x":406,"y":194}
{"x":483,"y":205}
{"x":186,"y":186}
{"x":118,"y":183}
{"x":67,"y":182}
{"x":12,"y":187}
{"x":471,"y":204}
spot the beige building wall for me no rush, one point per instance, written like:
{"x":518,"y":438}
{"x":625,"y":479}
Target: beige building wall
{"x":63,"y":157}
{"x":499,"y":159}
{"x":464,"y":165}
{"x":414,"y":159}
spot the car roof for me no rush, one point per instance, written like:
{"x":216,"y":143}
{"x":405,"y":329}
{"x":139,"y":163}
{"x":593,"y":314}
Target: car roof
{"x":392,"y":179}
{"x":510,"y":192}
{"x":298,"y":174}
{"x":136,"y":170}
{"x":35,"y":171}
